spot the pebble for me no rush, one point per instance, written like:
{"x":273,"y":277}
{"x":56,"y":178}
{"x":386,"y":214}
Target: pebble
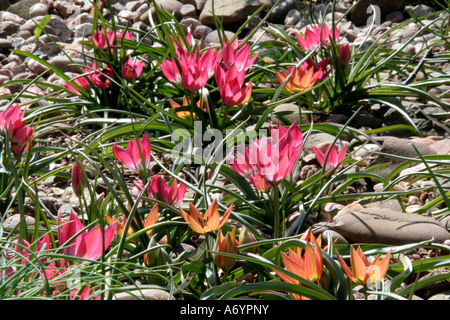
{"x":144,"y":294}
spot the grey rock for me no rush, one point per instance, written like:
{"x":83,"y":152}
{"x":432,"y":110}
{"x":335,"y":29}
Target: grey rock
{"x":190,"y":23}
{"x":9,"y":27}
{"x":55,"y":26}
{"x":66,"y":8}
{"x":171,"y":6}
{"x":360,"y":16}
{"x":50,"y":49}
{"x":38,"y":10}
{"x":144,"y":294}
{"x":286,"y":111}
{"x":213,"y":37}
{"x":133,"y":5}
{"x":83,"y":30}
{"x":360,"y":224}
{"x":332,"y":237}
{"x":395,"y":16}
{"x":393,"y":205}
{"x":9,"y":16}
{"x":188,"y":10}
{"x":230,"y":11}
{"x":201,"y":31}
{"x":14,"y":222}
{"x":5,"y":44}
{"x":422,"y":116}
{"x":22,"y":8}
{"x":319,"y":139}
{"x":280,"y":11}
{"x":420,"y":10}
{"x":398,"y":147}
{"x":440,"y":296}
{"x":66,"y":65}
{"x":292,"y":17}
{"x":200,"y":4}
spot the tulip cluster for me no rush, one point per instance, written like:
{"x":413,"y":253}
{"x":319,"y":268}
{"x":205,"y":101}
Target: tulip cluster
{"x":318,"y":36}
{"x":13,"y":125}
{"x":101,"y":77}
{"x":53,"y":269}
{"x":321,"y":36}
{"x":191,"y":69}
{"x":267,"y":163}
{"x":73,"y":241}
{"x":305,"y":76}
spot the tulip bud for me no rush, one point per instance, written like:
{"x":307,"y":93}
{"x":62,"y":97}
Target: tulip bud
{"x":246,"y":237}
{"x":153,"y":257}
{"x":78,"y":179}
{"x":225,"y":244}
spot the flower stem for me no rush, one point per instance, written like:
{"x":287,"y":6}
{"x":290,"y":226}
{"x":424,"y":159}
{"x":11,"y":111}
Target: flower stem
{"x":276,"y":210}
{"x":224,"y":118}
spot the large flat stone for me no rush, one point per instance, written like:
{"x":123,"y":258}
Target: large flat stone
{"x":380,"y":225}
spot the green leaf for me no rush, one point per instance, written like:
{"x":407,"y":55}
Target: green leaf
{"x":41,"y":25}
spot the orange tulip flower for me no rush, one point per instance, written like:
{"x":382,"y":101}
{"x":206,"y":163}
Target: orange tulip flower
{"x":309,"y":266}
{"x":362,"y":270}
{"x":211,"y":221}
{"x":149,"y":221}
{"x":301,"y":78}
{"x":225,"y":244}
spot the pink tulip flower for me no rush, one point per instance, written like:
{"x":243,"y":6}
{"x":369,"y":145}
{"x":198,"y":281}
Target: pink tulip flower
{"x":101,"y":78}
{"x":136,"y":156}
{"x":78,"y":179}
{"x":104,"y":41}
{"x":231,"y":87}
{"x":240,"y":57}
{"x":81,"y":81}
{"x":12,"y":123}
{"x":344,"y":54}
{"x":195,"y":71}
{"x":131,"y":70}
{"x":158,"y":189}
{"x":52,"y":270}
{"x":128,"y":35}
{"x":12,"y":119}
{"x":268,"y":162}
{"x":21,"y":140}
{"x":180,"y":46}
{"x":335,"y":158}
{"x":88,"y":244}
{"x":84,"y":295}
{"x":320,"y":35}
